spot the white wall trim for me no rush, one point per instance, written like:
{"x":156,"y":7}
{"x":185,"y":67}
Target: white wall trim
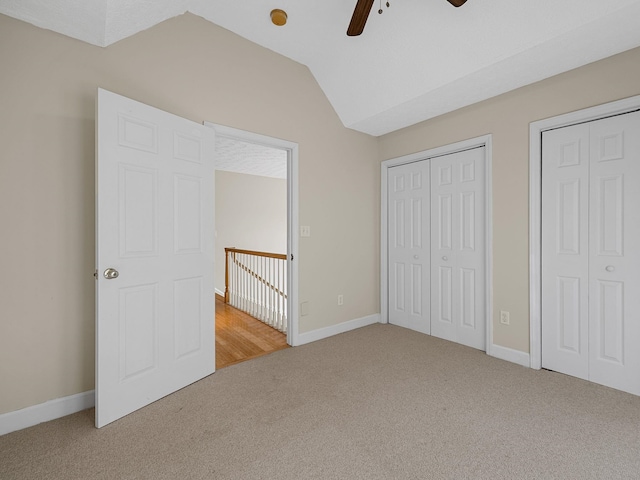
{"x":292,"y":212}
{"x":482,"y":141}
{"x":510,"y":355}
{"x":44,"y":412}
{"x":535,"y":206}
{"x":343,"y":327}
{"x":219,"y":292}
{"x":488,"y":144}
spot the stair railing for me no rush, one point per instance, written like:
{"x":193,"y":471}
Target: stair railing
{"x":256,"y":283}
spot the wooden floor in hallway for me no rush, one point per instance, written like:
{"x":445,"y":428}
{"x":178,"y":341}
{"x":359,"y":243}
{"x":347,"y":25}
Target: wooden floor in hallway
{"x":241,"y":337}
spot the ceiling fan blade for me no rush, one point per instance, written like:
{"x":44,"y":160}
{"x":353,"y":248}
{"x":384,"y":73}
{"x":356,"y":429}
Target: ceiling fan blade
{"x":359,"y":17}
{"x":456,"y":3}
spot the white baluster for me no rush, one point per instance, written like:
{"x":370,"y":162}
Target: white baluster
{"x":280,"y":297}
{"x":271,"y":292}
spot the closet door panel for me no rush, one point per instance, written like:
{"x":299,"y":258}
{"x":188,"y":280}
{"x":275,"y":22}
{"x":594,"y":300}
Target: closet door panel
{"x":458,"y":248}
{"x":408,"y":243}
{"x":614,"y":260}
{"x":565,"y":253}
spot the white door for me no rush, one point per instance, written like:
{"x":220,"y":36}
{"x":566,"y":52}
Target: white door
{"x":408,"y":241}
{"x":565,"y":251}
{"x":154,"y":226}
{"x":591,"y":251}
{"x":458,"y":247}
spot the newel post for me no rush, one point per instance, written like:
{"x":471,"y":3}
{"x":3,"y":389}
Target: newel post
{"x":226,"y":275}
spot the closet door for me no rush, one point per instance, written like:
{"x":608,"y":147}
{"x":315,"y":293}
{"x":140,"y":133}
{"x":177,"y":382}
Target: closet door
{"x":614,"y":246}
{"x":565,"y":250}
{"x":458,"y":247}
{"x":591,"y":251}
{"x":408,"y":241}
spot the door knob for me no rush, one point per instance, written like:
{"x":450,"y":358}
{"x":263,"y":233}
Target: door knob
{"x":110,"y":273}
{"x":416,"y":257}
{"x":609,"y":268}
{"x":445,"y":258}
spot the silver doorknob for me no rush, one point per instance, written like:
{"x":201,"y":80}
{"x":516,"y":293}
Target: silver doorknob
{"x":110,"y":273}
{"x":609,"y":268}
{"x":416,"y":257}
{"x":445,"y":258}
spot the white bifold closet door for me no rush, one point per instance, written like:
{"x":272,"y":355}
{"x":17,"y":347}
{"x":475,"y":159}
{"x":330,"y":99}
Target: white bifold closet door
{"x":458,"y":247}
{"x":591,"y":251}
{"x":408,"y":243}
{"x":436,"y":241}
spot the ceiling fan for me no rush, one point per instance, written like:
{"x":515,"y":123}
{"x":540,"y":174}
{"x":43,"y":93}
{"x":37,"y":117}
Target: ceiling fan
{"x":361,"y":13}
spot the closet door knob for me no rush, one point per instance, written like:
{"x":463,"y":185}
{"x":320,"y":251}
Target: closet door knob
{"x":445,"y":258}
{"x":609,"y":268}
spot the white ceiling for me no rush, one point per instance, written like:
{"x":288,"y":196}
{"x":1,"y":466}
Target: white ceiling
{"x":249,"y":158}
{"x":419,"y":59}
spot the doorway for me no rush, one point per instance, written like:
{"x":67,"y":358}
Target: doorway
{"x":226,"y":136}
{"x":155,"y":241}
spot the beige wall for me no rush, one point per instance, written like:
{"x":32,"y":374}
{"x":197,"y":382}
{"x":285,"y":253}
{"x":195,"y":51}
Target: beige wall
{"x":192,"y":68}
{"x":507,"y":117}
{"x":251,"y":214}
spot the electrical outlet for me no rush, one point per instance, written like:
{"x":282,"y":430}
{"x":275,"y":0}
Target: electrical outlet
{"x":504,"y":317}
{"x":305,"y":231}
{"x":340,"y":299}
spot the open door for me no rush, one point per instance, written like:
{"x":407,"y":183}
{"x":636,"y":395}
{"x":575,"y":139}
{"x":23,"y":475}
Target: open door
{"x":155,"y":305}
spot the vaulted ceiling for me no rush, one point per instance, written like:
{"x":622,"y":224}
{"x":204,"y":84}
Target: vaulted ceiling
{"x":418,"y":60}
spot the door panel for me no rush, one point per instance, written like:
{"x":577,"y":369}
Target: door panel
{"x":444,"y":222}
{"x":565,"y":254}
{"x":138,"y":330}
{"x":458,"y":248}
{"x":568,"y":314}
{"x":408,"y":240}
{"x":468,"y":297}
{"x":444,"y":302}
{"x":155,"y":213}
{"x":614,"y":262}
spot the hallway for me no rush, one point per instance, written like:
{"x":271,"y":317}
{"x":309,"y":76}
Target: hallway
{"x":240,"y":337}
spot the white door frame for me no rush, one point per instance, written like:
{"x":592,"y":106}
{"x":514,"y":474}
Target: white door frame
{"x":535,"y":205}
{"x":222,"y":131}
{"x":482,"y":141}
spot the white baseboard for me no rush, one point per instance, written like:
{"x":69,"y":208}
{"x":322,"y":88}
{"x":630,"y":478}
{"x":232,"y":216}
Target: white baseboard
{"x":60,"y":407}
{"x":326,"y":332}
{"x":510,"y":355}
{"x":219,"y":292}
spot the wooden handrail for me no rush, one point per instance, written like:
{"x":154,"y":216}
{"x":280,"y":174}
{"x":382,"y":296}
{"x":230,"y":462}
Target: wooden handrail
{"x":281,"y":256}
{"x":227,"y":250}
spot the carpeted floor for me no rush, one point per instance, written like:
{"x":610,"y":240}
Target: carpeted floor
{"x":380,"y":402}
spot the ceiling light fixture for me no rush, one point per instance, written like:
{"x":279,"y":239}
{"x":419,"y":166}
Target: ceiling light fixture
{"x":278,"y":17}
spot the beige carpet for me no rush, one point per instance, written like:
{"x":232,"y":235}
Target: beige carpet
{"x":380,"y":402}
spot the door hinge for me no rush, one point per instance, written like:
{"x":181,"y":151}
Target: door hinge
{"x":292,"y":257}
{"x":95,"y":274}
